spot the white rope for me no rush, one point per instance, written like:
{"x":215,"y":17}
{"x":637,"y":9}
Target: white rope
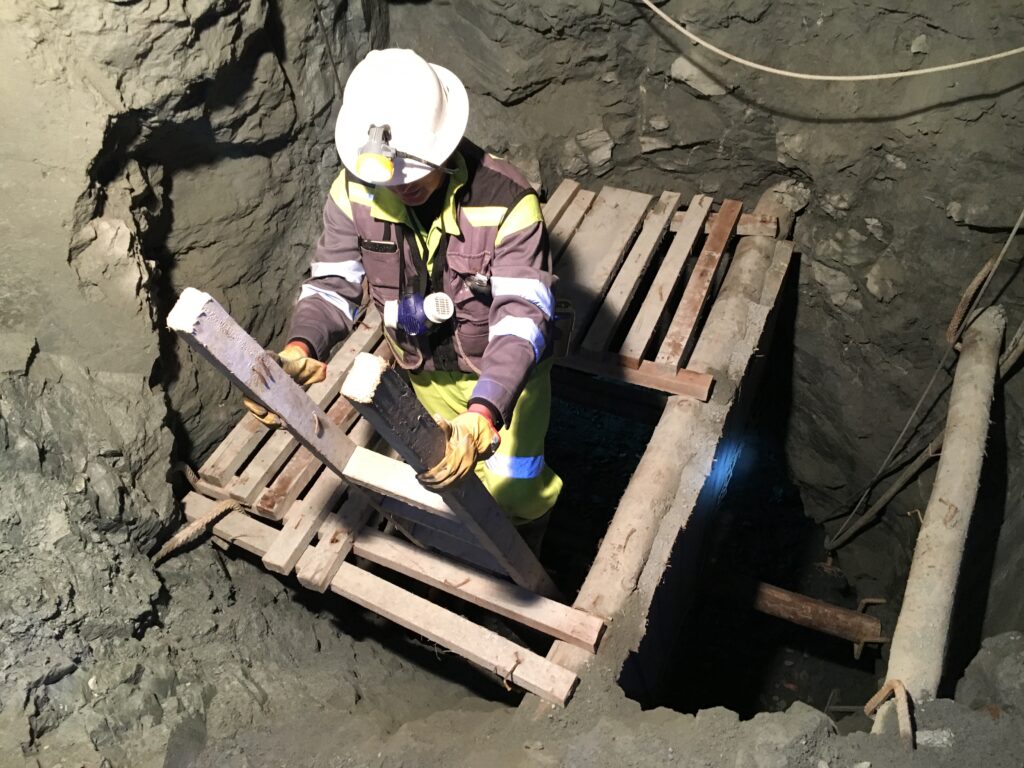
{"x":826,"y":78}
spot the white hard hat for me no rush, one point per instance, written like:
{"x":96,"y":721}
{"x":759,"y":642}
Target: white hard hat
{"x":425,"y":106}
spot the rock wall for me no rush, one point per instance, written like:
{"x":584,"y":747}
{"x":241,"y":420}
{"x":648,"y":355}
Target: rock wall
{"x":147,"y":146}
{"x":912,"y":187}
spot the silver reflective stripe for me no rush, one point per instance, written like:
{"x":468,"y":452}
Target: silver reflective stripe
{"x":521,"y":327}
{"x":517,"y":467}
{"x":527,"y":288}
{"x":347,"y":307}
{"x":351,"y":270}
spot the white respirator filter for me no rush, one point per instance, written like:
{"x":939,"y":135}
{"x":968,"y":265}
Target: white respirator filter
{"x":438,"y":307}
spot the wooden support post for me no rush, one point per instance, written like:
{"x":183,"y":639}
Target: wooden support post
{"x":386,"y":401}
{"x":211,"y":331}
{"x":922,"y":630}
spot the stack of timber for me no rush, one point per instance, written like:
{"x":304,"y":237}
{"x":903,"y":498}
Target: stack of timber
{"x":311,"y":491}
{"x":641,"y":275}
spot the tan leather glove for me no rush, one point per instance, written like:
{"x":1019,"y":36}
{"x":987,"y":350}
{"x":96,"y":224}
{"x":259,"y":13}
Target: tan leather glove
{"x":471,"y":437}
{"x":294,"y":360}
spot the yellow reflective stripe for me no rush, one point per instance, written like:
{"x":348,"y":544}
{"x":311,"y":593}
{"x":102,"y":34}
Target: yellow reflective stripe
{"x":485,"y":215}
{"x":340,"y":196}
{"x":360,"y":193}
{"x":386,"y":206}
{"x":525,"y":214}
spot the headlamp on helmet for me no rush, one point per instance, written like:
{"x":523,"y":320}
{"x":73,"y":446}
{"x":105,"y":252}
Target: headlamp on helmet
{"x":375,"y":163}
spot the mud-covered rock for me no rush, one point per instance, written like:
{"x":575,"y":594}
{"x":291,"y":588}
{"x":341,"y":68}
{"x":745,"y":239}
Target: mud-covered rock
{"x":994,"y":680}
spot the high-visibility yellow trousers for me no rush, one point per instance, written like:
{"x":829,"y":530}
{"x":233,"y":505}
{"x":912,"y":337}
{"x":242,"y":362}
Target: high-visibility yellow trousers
{"x":517,"y":477}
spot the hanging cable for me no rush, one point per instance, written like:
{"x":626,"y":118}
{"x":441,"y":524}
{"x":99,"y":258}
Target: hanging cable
{"x":827,"y":78}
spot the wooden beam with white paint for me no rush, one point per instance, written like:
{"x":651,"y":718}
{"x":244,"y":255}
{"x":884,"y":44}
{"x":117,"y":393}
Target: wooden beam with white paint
{"x":204,"y":324}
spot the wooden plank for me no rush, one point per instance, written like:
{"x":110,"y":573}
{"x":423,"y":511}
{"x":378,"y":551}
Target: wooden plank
{"x":317,"y":565}
{"x":634,"y":347}
{"x":425,"y":515}
{"x":211,"y":332}
{"x":777,"y":271}
{"x":220,"y":467}
{"x":569,"y":222}
{"x":483,"y":647}
{"x":303,"y":521}
{"x":626,"y":282}
{"x":681,"y":336}
{"x":682,"y":382}
{"x":384,"y":399}
{"x":282,"y":444}
{"x":553,"y":209}
{"x":484,"y":590}
{"x":588,"y":265}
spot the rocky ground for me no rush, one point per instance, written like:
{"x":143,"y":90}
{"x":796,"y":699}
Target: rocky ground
{"x":150,"y":145}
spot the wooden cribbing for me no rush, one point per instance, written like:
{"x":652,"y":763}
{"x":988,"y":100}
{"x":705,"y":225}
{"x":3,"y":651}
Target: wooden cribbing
{"x":626,"y":282}
{"x":482,"y":589}
{"x":556,"y":205}
{"x":824,"y":617}
{"x":275,"y":500}
{"x":588,"y":265}
{"x":211,"y":331}
{"x":388,"y":403}
{"x":634,"y":347}
{"x":510,"y":662}
{"x":681,"y":335}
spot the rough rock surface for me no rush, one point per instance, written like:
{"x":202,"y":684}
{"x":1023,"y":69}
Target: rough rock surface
{"x":157,"y":145}
{"x":153,"y":146}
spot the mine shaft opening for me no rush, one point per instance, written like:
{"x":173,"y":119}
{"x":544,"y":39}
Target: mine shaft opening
{"x":725,"y":650}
